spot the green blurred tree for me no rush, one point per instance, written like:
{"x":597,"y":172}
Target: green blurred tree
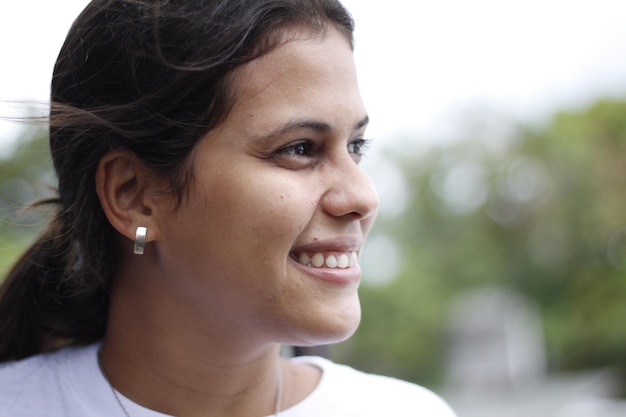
{"x":539,"y":210}
{"x":25,"y":176}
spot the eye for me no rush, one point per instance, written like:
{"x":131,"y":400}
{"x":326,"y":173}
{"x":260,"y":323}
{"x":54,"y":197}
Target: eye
{"x":358,"y":148}
{"x":300,"y":149}
{"x":300,"y":154}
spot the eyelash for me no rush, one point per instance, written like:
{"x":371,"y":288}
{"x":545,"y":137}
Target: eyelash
{"x":298,"y":150}
{"x":361,"y":145}
{"x":306,"y":148}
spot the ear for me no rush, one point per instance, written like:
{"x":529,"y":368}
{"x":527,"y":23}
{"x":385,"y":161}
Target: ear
{"x":123,"y":187}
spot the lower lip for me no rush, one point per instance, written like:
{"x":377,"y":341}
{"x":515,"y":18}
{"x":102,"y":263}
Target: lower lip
{"x":336,"y":276}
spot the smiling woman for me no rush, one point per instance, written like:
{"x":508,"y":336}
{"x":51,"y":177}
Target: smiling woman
{"x":211,"y":208}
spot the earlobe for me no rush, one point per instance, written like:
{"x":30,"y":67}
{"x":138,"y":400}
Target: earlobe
{"x":121,"y":186}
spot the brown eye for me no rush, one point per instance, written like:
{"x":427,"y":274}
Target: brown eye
{"x":301,"y":149}
{"x":300,"y":154}
{"x":358,"y":148}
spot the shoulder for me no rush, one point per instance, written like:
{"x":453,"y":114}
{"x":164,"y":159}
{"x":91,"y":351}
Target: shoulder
{"x":30,"y":372}
{"x":38,"y":383}
{"x":363,"y":394}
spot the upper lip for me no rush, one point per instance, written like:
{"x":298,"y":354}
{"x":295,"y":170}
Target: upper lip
{"x":338,"y":244}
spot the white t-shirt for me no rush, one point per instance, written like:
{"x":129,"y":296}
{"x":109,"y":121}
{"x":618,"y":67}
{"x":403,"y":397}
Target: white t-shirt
{"x":68,"y":383}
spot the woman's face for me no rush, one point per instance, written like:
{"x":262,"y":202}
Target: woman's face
{"x":267,"y":243}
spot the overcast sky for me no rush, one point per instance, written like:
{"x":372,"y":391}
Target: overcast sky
{"x":420,"y":62}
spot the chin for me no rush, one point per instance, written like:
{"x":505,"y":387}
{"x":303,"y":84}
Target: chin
{"x":331,"y":329}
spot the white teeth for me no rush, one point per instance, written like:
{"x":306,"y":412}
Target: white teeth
{"x":331,"y":262}
{"x":317,"y":260}
{"x":354,"y":259}
{"x":337,"y":260}
{"x":343,"y":261}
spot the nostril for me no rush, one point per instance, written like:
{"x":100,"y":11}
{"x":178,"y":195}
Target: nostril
{"x":353,"y":194}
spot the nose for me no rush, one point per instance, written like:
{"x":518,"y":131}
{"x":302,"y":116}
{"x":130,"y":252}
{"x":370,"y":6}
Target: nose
{"x":351,"y":192}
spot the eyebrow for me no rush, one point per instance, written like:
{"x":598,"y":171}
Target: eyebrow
{"x":315,"y":125}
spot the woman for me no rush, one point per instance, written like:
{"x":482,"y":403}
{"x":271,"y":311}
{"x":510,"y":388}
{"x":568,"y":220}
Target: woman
{"x":211,"y":208}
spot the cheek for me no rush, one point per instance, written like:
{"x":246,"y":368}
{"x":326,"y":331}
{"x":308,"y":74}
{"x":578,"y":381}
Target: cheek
{"x":258,"y":209}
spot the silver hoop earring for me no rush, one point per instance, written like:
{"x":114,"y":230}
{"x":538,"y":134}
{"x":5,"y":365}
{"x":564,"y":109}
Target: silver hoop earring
{"x":140,"y":240}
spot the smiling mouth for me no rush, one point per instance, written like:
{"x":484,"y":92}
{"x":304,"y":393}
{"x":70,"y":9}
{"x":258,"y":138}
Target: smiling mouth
{"x":339,"y":260}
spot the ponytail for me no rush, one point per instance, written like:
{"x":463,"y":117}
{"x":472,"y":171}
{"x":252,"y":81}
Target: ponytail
{"x":46,"y":301}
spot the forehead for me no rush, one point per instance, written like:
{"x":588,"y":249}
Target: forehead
{"x":308,"y":66}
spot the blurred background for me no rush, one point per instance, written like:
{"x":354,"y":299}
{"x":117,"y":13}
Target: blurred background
{"x":496,"y":273}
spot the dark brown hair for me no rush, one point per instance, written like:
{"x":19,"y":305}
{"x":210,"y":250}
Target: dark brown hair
{"x":146,"y":75}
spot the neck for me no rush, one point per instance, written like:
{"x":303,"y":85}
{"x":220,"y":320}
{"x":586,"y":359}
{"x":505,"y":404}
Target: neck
{"x":164,"y":362}
{"x":166,"y":382}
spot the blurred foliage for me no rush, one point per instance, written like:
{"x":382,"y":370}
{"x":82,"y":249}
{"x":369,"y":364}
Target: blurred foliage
{"x":538,"y":210}
{"x":25,"y":177}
